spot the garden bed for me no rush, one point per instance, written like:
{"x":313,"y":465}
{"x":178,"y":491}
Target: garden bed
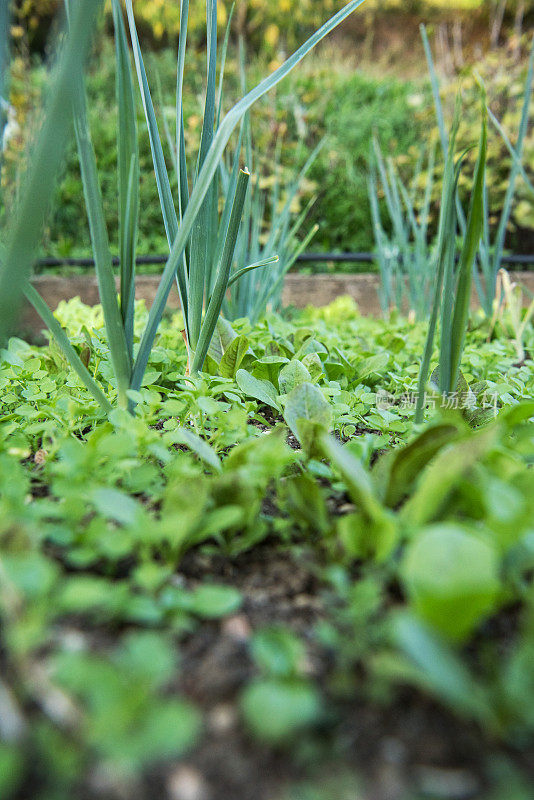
{"x":299,"y":291}
{"x":212,"y":600}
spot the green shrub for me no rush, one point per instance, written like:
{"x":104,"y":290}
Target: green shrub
{"x":349,"y":108}
{"x":345,"y":105}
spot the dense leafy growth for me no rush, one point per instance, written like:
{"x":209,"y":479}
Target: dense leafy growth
{"x":98,"y":514}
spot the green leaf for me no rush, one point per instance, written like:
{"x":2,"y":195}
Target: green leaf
{"x":276,"y":710}
{"x":68,"y":350}
{"x":264,"y":262}
{"x":118,"y":347}
{"x":278,"y":652}
{"x":260,"y":390}
{"x":452,"y":578}
{"x":168,"y":730}
{"x":374,"y":365}
{"x":199,"y":446}
{"x":128,"y":168}
{"x":440,"y":476}
{"x":373,"y":531}
{"x":84,"y":594}
{"x":441,"y":670}
{"x":148,"y":655}
{"x":29,"y":216}
{"x":409,"y":461}
{"x":470,"y":247}
{"x":233,"y":356}
{"x":447,"y":227}
{"x":308,"y":414}
{"x":116,"y":505}
{"x":11,"y":769}
{"x":212,"y":601}
{"x":292,"y":375}
{"x":31,"y":574}
{"x":213,"y":311}
{"x":222,"y":337}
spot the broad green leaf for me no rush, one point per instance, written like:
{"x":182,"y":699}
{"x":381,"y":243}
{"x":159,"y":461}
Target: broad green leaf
{"x":32,"y":575}
{"x":441,"y":475}
{"x":260,"y":390}
{"x":292,"y":375}
{"x":374,"y":365}
{"x":308,"y":415}
{"x":212,"y":601}
{"x":314,"y":365}
{"x":452,"y":578}
{"x":441,"y":670}
{"x":223,"y":335}
{"x":276,"y":710}
{"x":233,"y":356}
{"x":278,"y":652}
{"x":199,"y":446}
{"x":409,"y":461}
{"x":373,"y":530}
{"x":116,"y":505}
{"x":86,"y":594}
{"x":167,"y":730}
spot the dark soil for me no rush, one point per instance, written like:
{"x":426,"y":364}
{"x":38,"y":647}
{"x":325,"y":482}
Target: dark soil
{"x":389,"y":745}
{"x":397,"y":747}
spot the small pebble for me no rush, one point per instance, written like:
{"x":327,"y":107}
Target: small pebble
{"x":72,"y":640}
{"x":237,"y":628}
{"x":106,"y":781}
{"x":40,"y":457}
{"x":222,"y":718}
{"x":186,"y":783}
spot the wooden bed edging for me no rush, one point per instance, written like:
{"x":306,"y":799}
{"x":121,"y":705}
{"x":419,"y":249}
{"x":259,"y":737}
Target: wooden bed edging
{"x":299,"y":291}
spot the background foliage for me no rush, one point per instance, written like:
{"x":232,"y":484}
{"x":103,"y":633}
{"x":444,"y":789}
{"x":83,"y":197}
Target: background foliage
{"x":347,"y":101}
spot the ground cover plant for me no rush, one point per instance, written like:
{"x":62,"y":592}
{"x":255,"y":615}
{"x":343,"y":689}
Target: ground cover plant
{"x":275,"y":535}
{"x":201,"y":246}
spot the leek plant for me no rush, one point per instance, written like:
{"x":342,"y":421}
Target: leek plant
{"x":490,"y":252}
{"x":260,"y":241}
{"x":261,"y":289}
{"x":509,"y":311}
{"x":21,"y":241}
{"x":201,"y":246}
{"x":406,"y":261}
{"x":516,"y":157}
{"x":452,"y":294}
{"x":201,"y":241}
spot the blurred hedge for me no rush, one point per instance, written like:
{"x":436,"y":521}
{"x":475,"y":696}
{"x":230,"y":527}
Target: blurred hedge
{"x":326,"y":96}
{"x":269,"y":24}
{"x":323,"y":98}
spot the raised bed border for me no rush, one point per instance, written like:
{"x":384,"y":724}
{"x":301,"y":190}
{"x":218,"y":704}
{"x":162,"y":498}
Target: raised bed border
{"x":299,"y":291}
